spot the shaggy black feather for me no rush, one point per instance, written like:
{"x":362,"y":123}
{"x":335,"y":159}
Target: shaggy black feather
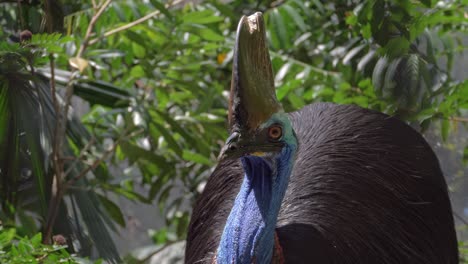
{"x":366,"y":188}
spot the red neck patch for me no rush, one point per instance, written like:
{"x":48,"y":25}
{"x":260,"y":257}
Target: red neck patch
{"x":278,"y":257}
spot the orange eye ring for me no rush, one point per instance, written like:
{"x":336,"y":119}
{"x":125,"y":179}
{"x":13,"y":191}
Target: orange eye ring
{"x":275,"y":132}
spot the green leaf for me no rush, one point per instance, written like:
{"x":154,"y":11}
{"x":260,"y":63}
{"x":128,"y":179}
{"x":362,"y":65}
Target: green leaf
{"x":295,"y":16}
{"x":365,"y":60}
{"x":210,"y":35}
{"x":137,"y":72}
{"x":352,"y":53}
{"x":378,"y":74}
{"x":296,"y":101}
{"x":397,"y":47}
{"x":113,"y":210}
{"x":389,"y":85}
{"x":445,"y":126}
{"x":164,"y":195}
{"x":103,"y":93}
{"x":6,"y":236}
{"x":277,"y":28}
{"x":427,"y":3}
{"x":285,"y":89}
{"x":201,"y":17}
{"x":36,"y":240}
{"x":160,"y":6}
{"x":138,"y":50}
{"x":195,"y":157}
{"x":134,"y":153}
{"x":155,"y":127}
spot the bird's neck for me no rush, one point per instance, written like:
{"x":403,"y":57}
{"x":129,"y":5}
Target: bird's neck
{"x":248,"y":236}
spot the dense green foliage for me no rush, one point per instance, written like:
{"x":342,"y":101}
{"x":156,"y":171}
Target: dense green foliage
{"x":157,"y":94}
{"x":30,"y":250}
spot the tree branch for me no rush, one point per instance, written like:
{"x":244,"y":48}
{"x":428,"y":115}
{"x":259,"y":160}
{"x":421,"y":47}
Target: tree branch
{"x":93,"y":21}
{"x":157,"y":251}
{"x":458,"y":119}
{"x":82,"y":153}
{"x":58,"y":189}
{"x":93,"y":166}
{"x":132,"y":24}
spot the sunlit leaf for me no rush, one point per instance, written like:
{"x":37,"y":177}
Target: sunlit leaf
{"x":78,"y":63}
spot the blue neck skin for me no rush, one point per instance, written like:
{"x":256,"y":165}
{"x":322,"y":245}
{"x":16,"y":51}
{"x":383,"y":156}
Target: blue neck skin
{"x":250,"y":228}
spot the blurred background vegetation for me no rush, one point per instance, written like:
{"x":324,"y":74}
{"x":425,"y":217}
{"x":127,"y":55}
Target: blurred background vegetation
{"x":112,"y":113}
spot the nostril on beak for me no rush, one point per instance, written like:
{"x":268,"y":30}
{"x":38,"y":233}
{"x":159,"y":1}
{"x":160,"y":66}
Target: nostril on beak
{"x":232,"y":147}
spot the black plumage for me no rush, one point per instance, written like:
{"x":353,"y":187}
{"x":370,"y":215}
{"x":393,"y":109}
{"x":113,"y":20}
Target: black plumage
{"x":365,"y":188}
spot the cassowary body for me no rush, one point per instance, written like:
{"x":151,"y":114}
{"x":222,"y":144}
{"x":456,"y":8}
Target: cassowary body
{"x":341,"y":185}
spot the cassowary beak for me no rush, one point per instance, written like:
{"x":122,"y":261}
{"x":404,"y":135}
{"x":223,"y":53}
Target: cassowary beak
{"x":253,"y":98}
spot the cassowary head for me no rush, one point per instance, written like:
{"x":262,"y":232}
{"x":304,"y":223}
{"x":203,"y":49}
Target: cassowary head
{"x":258,"y":125}
{"x":263,"y":138}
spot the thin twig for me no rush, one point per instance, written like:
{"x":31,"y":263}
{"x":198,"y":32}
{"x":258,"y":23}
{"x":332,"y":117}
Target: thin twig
{"x":458,"y":119}
{"x":57,"y":163}
{"x":52,"y":82}
{"x":89,"y":31}
{"x":97,"y":162}
{"x":20,"y":14}
{"x":70,"y":85}
{"x":48,"y":18}
{"x":460,"y":218}
{"x":157,"y":251}
{"x":305,"y":65}
{"x":131,"y":24}
{"x":80,"y":157}
{"x":93,"y":166}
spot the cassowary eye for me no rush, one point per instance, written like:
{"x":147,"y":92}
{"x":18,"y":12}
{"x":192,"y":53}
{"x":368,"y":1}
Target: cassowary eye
{"x":275,"y":132}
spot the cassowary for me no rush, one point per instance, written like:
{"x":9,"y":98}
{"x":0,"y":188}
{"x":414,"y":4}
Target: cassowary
{"x":326,"y":184}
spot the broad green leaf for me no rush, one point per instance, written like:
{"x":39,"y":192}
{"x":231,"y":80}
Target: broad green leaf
{"x":156,"y":127}
{"x":378,"y":74}
{"x":277,"y":28}
{"x":389,"y":86}
{"x":427,"y":3}
{"x":397,"y":47}
{"x":412,"y":71}
{"x":210,"y":35}
{"x":365,"y":60}
{"x":201,"y":17}
{"x":160,"y":6}
{"x":112,"y":209}
{"x":164,"y":195}
{"x":137,"y":72}
{"x":98,"y":92}
{"x":295,"y":16}
{"x":195,"y":157}
{"x":138,"y":50}
{"x":134,"y":153}
{"x":352,"y":53}
{"x":6,"y":236}
{"x":285,"y":89}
